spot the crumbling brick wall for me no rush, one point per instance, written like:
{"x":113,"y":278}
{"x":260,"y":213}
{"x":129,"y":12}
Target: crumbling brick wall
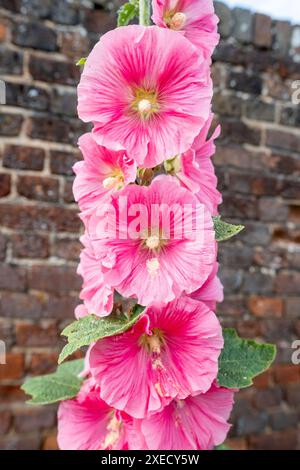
{"x":258,"y":165}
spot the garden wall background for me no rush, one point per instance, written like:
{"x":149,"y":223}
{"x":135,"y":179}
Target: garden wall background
{"x":258,"y":164}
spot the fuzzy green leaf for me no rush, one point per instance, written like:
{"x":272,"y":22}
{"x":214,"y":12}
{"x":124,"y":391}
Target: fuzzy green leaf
{"x":89,"y":329}
{"x":241,"y":360}
{"x":224,"y":230}
{"x":128,"y":12}
{"x":81,"y":61}
{"x":61,"y":385}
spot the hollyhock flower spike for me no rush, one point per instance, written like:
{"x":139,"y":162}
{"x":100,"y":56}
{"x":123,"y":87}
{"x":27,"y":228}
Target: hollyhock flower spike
{"x":195,"y":170}
{"x":147,"y":91}
{"x":88,"y":423}
{"x":195,"y":19}
{"x":96,"y":293}
{"x":101,"y":173}
{"x":196,"y":423}
{"x":161,"y":244}
{"x":172,"y":351}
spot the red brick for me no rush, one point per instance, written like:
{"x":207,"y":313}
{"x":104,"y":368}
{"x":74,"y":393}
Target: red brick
{"x":287,"y":282}
{"x":265,"y":306}
{"x":16,"y":305}
{"x":237,"y":443}
{"x":55,"y":279}
{"x":283,"y":140}
{"x":3,"y":245}
{"x":68,"y":192}
{"x":61,"y":163}
{"x":12,"y":277}
{"x":30,"y":335}
{"x":22,"y":217}
{"x":51,"y":70}
{"x":30,"y":245}
{"x":262,"y":30}
{"x":56,"y":129}
{"x":285,"y":440}
{"x":287,"y":373}
{"x":11,"y":394}
{"x":39,"y":188}
{"x":263,"y":380}
{"x":14,"y":367}
{"x":5,"y":421}
{"x":67,"y":248}
{"x":50,"y":442}
{"x":292,"y":306}
{"x":34,"y":419}
{"x":74,"y":44}
{"x":10,"y":124}
{"x":35,"y":35}
{"x":23,"y":158}
{"x":268,"y":398}
{"x":3,"y":32}
{"x":42,"y":363}
{"x":20,"y":442}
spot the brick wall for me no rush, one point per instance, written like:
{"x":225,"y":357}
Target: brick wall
{"x":258,"y":165}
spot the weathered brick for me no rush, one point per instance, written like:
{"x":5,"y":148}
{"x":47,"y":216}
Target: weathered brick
{"x":56,"y":129}
{"x":34,"y":419}
{"x":10,"y":124}
{"x":268,"y":398}
{"x":238,"y":132}
{"x":231,"y":279}
{"x":11,"y":61}
{"x":283,"y":140}
{"x":67,"y":248}
{"x":263,"y":380}
{"x":23,"y":158}
{"x":272,"y":210}
{"x":287,"y":373}
{"x":27,"y":96}
{"x":287,"y":282}
{"x":292,"y":394}
{"x":65,"y":12}
{"x":58,"y":219}
{"x":50,"y":442}
{"x":3,"y":245}
{"x":68,"y":192}
{"x":30,"y":335}
{"x":245,"y":82}
{"x":35,"y":8}
{"x":257,"y":282}
{"x":35,"y":35}
{"x":243,"y":26}
{"x":42,"y":363}
{"x":55,"y":279}
{"x":5,"y":421}
{"x":61,"y":163}
{"x":285,"y":440}
{"x":12,"y":277}
{"x":227,"y":105}
{"x":292,"y":306}
{"x":239,"y":206}
{"x":38,"y":188}
{"x":265,"y":306}
{"x":29,"y":245}
{"x":64,"y":102}
{"x":74,"y":44}
{"x":51,"y":70}
{"x":283,"y":419}
{"x":262,"y":30}
{"x":4,"y":184}
{"x":282,"y":32}
{"x":14,"y":367}
{"x":260,"y":110}
{"x":226,"y":19}
{"x":235,"y":256}
{"x":20,"y":442}
{"x":17,"y":305}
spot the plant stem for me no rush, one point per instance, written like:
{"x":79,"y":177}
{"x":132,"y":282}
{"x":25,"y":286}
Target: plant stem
{"x":144,"y":12}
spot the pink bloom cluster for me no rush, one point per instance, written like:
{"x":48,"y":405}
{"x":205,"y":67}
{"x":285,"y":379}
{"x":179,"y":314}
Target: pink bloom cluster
{"x":147,"y":92}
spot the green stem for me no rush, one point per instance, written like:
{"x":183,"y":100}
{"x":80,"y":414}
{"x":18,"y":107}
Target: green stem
{"x":144,"y":12}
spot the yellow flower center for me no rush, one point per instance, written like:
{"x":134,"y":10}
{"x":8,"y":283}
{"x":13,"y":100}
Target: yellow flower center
{"x":113,"y":433}
{"x":153,"y":343}
{"x":115,"y":180}
{"x":175,"y":19}
{"x":145,"y":103}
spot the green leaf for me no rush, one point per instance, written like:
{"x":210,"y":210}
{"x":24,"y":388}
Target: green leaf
{"x":81,"y":61}
{"x":241,"y":360}
{"x":223,"y":230}
{"x":222,"y":447}
{"x":91,"y":328}
{"x":61,"y":385}
{"x":128,"y":12}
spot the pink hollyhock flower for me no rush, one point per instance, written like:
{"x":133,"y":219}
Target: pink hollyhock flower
{"x":147,"y":91}
{"x":196,"y":423}
{"x":195,"y":170}
{"x":96,"y":293}
{"x":88,"y":423}
{"x":161,"y":244}
{"x":101,"y":173}
{"x":195,"y":19}
{"x":212,"y":290}
{"x":172,"y":351}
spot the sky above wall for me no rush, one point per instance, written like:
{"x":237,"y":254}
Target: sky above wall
{"x":282,"y":9}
